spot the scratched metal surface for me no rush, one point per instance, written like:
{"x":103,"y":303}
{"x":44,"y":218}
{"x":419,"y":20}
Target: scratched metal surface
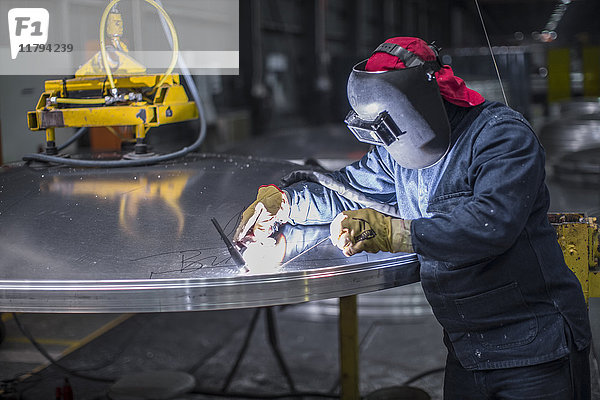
{"x":141,"y":240}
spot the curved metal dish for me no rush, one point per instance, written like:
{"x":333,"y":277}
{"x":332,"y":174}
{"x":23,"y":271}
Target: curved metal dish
{"x":570,"y":133}
{"x":581,"y":167}
{"x":579,"y":106}
{"x":141,"y":240}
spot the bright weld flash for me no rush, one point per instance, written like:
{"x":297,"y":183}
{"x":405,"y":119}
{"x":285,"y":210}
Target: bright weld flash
{"x":265,"y":256}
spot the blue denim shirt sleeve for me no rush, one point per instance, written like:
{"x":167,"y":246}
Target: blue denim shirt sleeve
{"x":312,"y":203}
{"x":371,"y":175}
{"x":506,"y":173}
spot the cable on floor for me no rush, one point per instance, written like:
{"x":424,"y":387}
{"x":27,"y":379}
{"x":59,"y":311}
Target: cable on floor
{"x":265,"y":396}
{"x":52,"y":361}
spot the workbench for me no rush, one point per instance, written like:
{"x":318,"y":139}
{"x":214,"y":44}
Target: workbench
{"x":96,"y":240}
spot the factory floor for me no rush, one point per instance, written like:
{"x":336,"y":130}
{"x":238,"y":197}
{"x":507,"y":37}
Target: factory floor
{"x":399,"y":339}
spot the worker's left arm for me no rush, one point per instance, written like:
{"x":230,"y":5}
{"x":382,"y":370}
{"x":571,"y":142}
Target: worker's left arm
{"x":506,"y":175}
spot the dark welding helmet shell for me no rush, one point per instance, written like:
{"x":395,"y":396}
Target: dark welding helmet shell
{"x":412,"y":99}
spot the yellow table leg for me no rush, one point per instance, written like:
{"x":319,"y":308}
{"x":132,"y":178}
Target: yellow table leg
{"x":140,"y":131}
{"x":140,"y":134}
{"x":50,"y":135}
{"x":348,"y":333}
{"x":50,"y":142}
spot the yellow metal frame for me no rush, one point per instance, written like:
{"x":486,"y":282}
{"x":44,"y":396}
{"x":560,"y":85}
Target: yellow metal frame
{"x":98,"y":103}
{"x":578,"y":239}
{"x":171,"y":104}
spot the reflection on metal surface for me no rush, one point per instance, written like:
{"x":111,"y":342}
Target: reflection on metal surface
{"x":265,"y":256}
{"x":65,"y":250}
{"x":399,"y":303}
{"x":305,"y":251}
{"x":131,"y":195}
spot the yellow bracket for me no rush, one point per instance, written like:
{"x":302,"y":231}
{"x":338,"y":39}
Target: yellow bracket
{"x":578,"y":239}
{"x":171,"y":104}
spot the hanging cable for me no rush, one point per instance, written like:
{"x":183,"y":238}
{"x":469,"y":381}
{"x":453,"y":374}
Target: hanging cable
{"x":491,"y":52}
{"x":174,"y":41}
{"x":187,"y":76}
{"x":80,"y":132}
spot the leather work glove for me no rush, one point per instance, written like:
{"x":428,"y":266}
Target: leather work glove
{"x":260,"y":218}
{"x":371,"y":231}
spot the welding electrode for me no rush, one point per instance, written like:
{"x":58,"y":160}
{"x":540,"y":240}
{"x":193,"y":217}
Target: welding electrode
{"x":235,"y":254}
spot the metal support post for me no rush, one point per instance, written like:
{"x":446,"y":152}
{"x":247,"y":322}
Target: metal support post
{"x":348,"y":335}
{"x":140,"y":135}
{"x":50,"y":142}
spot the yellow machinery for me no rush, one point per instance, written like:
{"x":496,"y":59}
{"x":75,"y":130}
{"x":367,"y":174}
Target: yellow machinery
{"x":578,"y":239}
{"x":112,"y":89}
{"x":130,"y":194}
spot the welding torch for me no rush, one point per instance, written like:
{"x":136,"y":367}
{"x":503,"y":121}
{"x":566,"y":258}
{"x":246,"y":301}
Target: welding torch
{"x":236,"y":256}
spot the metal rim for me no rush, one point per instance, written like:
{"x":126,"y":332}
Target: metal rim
{"x":206,"y":294}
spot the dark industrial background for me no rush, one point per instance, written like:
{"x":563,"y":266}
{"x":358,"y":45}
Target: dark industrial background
{"x":288,"y":102}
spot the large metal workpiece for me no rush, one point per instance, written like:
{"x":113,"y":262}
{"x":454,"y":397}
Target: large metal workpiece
{"x":141,"y":240}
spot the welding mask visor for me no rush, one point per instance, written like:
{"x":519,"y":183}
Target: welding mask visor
{"x":402,"y":110}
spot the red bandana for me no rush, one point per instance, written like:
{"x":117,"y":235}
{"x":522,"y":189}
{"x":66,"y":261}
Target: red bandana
{"x":452,"y":88}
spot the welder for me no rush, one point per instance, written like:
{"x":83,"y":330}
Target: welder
{"x":466,"y":176}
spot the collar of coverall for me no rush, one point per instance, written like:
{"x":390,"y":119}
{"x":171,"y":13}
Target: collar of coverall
{"x":452,"y":88}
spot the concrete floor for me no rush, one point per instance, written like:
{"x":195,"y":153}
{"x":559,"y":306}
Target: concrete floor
{"x":394,"y":347}
{"x":399,"y":339}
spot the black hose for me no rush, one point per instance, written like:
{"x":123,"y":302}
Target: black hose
{"x":80,"y":132}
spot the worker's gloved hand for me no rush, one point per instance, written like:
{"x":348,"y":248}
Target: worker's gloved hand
{"x":271,"y":207}
{"x":371,"y":231}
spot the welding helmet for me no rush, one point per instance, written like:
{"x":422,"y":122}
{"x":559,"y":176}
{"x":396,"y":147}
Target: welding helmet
{"x":400,"y":109}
